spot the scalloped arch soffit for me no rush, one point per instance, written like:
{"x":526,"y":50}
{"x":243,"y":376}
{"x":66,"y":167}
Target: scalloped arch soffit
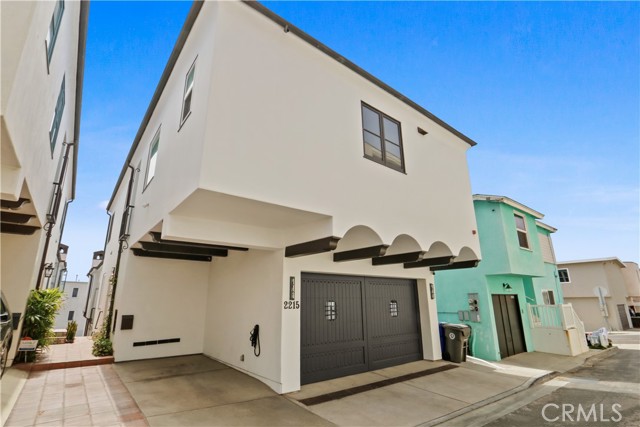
{"x":359,"y":236}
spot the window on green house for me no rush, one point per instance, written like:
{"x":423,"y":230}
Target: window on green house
{"x":521,"y":228}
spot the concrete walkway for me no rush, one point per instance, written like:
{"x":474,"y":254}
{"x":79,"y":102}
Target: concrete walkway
{"x":198,"y":391}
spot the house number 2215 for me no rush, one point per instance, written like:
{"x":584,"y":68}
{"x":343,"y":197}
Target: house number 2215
{"x":291,"y":305}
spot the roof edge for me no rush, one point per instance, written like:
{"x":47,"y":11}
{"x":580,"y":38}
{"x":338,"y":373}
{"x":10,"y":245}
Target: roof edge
{"x":593,"y":260}
{"x":546,"y":226}
{"x":82,"y":49}
{"x":173,"y":58}
{"x":510,"y":202}
{"x":353,"y":67}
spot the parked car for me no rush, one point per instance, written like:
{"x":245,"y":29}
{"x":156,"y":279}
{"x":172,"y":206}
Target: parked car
{"x":6,"y":326}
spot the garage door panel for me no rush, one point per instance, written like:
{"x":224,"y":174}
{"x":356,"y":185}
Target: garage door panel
{"x":326,"y":323}
{"x":393,"y":322}
{"x":355,"y":324}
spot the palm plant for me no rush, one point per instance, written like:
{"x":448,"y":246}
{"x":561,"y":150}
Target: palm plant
{"x":39,"y":317}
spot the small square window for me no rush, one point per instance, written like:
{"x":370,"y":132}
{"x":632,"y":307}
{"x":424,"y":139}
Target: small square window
{"x":74,"y":293}
{"x":393,"y":308}
{"x":330,"y":312}
{"x":382,"y":138}
{"x":563,"y":275}
{"x":521,"y":229}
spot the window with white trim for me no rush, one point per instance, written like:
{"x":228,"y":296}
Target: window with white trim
{"x":54,"y":27}
{"x":548,"y":297}
{"x":153,"y":157}
{"x":521,"y":229}
{"x":563,"y":275}
{"x":57,"y":117}
{"x":188,"y":94}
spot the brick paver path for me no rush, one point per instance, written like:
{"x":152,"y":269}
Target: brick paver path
{"x":86,"y":396}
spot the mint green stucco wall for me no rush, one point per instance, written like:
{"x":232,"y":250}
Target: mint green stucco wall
{"x":503,"y":262}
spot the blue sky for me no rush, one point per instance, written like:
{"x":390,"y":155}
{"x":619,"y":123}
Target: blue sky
{"x":550,"y":91}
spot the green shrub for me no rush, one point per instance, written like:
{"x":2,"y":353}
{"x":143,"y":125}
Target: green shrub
{"x":102,"y":345}
{"x":40,"y":315}
{"x":72,"y":328}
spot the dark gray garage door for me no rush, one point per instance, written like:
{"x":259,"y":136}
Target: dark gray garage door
{"x":353,"y":324}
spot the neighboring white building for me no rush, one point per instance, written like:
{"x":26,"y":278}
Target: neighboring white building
{"x":274,"y":183}
{"x":75,"y":297}
{"x":96,"y":295}
{"x":598,"y":292}
{"x":42,"y":60}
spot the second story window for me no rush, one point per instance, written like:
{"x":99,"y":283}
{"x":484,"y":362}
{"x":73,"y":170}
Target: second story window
{"x":521,"y":228}
{"x":74,"y":294}
{"x":57,"y":118}
{"x":188,"y":93}
{"x":153,"y":157}
{"x":382,"y":138}
{"x":54,"y":27}
{"x":563,"y":275}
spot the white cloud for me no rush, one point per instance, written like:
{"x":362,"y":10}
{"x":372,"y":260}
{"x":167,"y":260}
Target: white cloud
{"x":103,"y":204}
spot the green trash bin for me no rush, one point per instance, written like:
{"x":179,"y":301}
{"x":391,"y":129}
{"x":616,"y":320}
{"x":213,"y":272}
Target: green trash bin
{"x":456,"y":339}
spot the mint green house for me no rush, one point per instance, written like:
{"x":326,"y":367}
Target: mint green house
{"x":504,"y":298}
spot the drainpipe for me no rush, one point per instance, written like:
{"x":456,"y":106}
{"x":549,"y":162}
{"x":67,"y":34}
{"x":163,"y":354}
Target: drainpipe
{"x":53,"y":210}
{"x":122,"y":246}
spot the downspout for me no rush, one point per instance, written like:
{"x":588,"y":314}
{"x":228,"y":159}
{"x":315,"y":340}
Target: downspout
{"x":53,"y":211}
{"x":122,"y":246}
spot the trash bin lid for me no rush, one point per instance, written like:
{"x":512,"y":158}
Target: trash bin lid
{"x":464,"y":329}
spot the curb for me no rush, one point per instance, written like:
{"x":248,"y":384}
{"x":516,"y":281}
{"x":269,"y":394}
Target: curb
{"x":588,"y":362}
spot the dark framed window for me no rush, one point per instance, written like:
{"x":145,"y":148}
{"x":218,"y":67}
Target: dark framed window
{"x":521,"y":229}
{"x":330,"y":312}
{"x":54,"y":27}
{"x":57,"y":118}
{"x":188,"y":93}
{"x":74,"y":293}
{"x":71,"y":315}
{"x":382,"y":138}
{"x":563,"y":275}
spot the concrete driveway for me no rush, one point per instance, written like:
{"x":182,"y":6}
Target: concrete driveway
{"x":198,"y":391}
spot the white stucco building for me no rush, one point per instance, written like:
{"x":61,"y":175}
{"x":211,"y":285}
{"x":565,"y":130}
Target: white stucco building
{"x":42,"y":48}
{"x":75,"y":297}
{"x":272,"y":182}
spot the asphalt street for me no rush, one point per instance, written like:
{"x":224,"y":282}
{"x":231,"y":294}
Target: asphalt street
{"x":606,"y":393}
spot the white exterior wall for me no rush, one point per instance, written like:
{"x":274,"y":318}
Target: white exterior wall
{"x":179,"y":153}
{"x":75,"y":304}
{"x":291,"y":135}
{"x":167,"y":299}
{"x":29,"y":95}
{"x":265,"y":160}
